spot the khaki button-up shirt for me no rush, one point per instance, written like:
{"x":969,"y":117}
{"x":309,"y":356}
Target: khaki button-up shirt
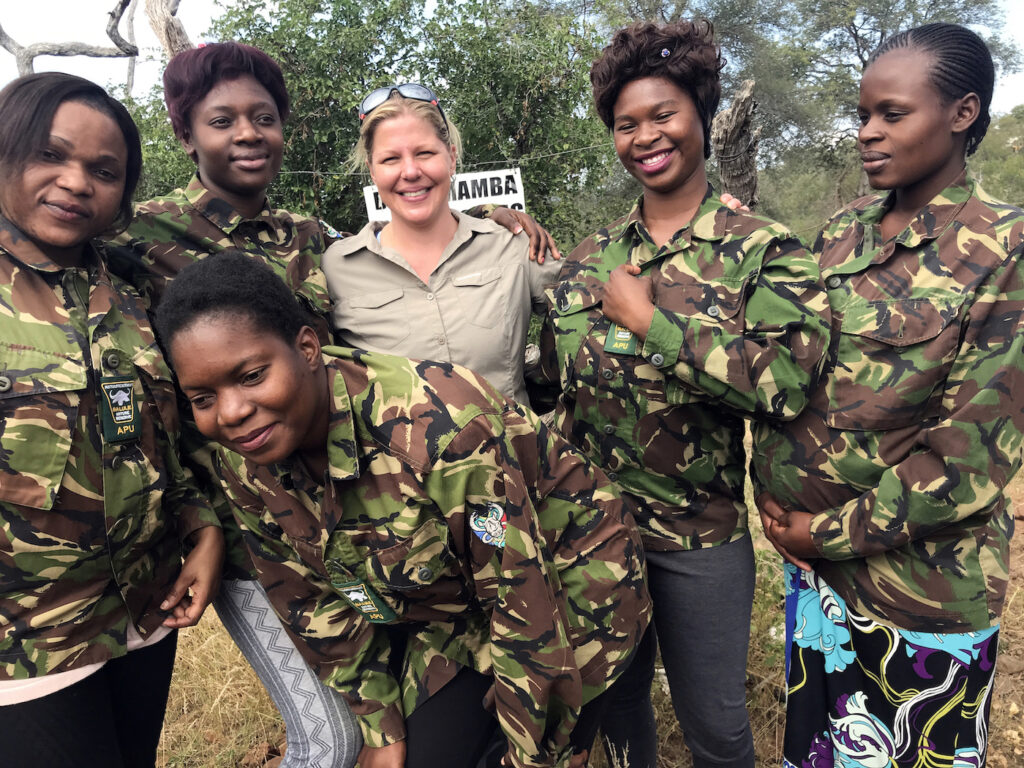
{"x":474,"y":310}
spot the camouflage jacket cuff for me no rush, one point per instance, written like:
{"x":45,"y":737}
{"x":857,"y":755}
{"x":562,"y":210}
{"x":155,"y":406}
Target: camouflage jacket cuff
{"x":383,"y":727}
{"x":664,"y":339}
{"x":193,"y":517}
{"x":828,"y":532}
{"x":482,"y":211}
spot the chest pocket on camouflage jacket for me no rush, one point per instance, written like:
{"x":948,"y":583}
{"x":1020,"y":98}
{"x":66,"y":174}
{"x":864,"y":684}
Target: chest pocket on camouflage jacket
{"x":892,"y":361}
{"x":39,"y":396}
{"x":419,"y":577}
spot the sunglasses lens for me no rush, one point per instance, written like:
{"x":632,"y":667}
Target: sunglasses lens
{"x":373,"y":100}
{"x":416,"y":91}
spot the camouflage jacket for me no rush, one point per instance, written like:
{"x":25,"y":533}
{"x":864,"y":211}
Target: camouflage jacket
{"x":169,"y":233}
{"x":92,"y":497}
{"x":739,"y":330}
{"x":454,"y":517}
{"x":908,"y":444}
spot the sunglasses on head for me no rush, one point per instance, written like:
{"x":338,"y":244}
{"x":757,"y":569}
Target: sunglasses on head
{"x":413,"y":91}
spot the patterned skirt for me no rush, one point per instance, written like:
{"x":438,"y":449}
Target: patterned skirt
{"x":861,"y":693}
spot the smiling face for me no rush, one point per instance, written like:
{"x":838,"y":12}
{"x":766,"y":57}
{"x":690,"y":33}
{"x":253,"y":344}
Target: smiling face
{"x":71,"y":192}
{"x":252,"y":391}
{"x":659,"y":137}
{"x":235,"y":136}
{"x":412,"y":169}
{"x":909,"y":139}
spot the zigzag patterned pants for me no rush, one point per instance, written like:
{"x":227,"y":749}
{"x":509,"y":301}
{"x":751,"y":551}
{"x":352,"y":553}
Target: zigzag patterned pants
{"x":321,"y":730}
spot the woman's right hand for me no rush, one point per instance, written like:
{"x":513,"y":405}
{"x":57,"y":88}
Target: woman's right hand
{"x":390,"y":756}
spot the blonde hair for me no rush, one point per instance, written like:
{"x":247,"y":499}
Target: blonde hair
{"x":395,"y":106}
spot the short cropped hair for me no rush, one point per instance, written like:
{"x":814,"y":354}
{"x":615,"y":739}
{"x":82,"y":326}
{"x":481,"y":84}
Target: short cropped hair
{"x":229,"y":284}
{"x":28,"y":105}
{"x":961,"y":64}
{"x":194,"y":73}
{"x":683,"y":52}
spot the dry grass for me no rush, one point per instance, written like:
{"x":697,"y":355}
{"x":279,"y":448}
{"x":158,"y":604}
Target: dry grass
{"x":220,"y":716}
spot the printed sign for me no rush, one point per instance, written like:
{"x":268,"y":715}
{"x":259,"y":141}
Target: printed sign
{"x":500,"y":187}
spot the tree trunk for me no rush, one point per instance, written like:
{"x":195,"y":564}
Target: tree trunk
{"x":735,"y":140}
{"x":169,"y":30}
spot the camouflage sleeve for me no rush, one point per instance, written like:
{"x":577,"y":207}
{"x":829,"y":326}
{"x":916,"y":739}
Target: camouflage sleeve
{"x":960,"y":463}
{"x":561,"y":553}
{"x":769,"y":365}
{"x":543,"y":382}
{"x":325,"y":628}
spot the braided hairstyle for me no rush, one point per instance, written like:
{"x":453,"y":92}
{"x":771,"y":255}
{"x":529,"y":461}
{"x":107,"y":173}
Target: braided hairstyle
{"x":682,"y":52}
{"x":961,"y":64}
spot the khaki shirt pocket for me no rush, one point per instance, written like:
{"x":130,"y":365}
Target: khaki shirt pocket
{"x":39,"y":396}
{"x":892,"y":360}
{"x":481,"y":296}
{"x":379,"y":320}
{"x":419,"y":577}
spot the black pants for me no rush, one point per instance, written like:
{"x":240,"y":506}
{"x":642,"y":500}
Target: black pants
{"x":453,"y":729}
{"x":111,"y":719}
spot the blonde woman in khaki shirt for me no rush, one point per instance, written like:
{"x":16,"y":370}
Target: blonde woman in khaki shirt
{"x":432,"y":283}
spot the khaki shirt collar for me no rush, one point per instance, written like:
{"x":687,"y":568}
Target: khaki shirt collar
{"x":467,"y":227}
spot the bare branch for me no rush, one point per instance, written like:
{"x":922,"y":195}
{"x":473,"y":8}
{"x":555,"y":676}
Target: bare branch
{"x":167,"y":26}
{"x":25,"y":55}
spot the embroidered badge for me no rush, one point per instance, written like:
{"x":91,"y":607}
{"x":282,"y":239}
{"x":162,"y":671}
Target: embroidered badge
{"x":119,"y":414}
{"x":365,"y":600}
{"x":621,"y":341}
{"x":489,"y":524}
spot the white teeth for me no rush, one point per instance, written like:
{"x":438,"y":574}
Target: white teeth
{"x":654,"y":160}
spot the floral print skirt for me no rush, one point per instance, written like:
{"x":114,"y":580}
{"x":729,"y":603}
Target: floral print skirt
{"x":861,"y":693}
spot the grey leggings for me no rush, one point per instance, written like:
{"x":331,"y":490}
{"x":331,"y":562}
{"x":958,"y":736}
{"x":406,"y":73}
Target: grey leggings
{"x":321,"y":730}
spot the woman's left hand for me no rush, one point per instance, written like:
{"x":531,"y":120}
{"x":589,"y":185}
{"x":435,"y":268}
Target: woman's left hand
{"x":789,"y":531}
{"x":628,"y":299}
{"x":541,"y":241}
{"x":200,"y":573}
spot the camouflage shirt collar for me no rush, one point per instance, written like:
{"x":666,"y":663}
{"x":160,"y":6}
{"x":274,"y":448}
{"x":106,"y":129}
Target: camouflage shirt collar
{"x":223,"y":215}
{"x":932,"y":220}
{"x":705,"y":225}
{"x":343,"y":464}
{"x":14,"y":242}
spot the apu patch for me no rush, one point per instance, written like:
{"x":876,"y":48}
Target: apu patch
{"x":489,"y":524}
{"x":365,"y":600}
{"x":119,"y":414}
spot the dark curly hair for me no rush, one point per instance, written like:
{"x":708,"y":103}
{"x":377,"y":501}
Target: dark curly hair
{"x":683,"y":52}
{"x":229,"y":284}
{"x":194,"y":73}
{"x":961,"y":64}
{"x":28,"y":105}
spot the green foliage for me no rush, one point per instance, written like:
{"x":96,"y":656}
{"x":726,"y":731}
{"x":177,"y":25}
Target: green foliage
{"x":999,"y":161}
{"x":332,"y":52}
{"x":515,"y":77}
{"x":165,"y":165}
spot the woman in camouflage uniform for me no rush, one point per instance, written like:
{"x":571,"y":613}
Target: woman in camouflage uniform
{"x":889,"y":490}
{"x":669,"y":328}
{"x":429,"y":540}
{"x":92,"y":497}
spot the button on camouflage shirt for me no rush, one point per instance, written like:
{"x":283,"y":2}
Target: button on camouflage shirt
{"x":454,"y":516}
{"x":89,"y":524}
{"x":908,"y":444}
{"x":169,"y":233}
{"x":739,"y":330}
